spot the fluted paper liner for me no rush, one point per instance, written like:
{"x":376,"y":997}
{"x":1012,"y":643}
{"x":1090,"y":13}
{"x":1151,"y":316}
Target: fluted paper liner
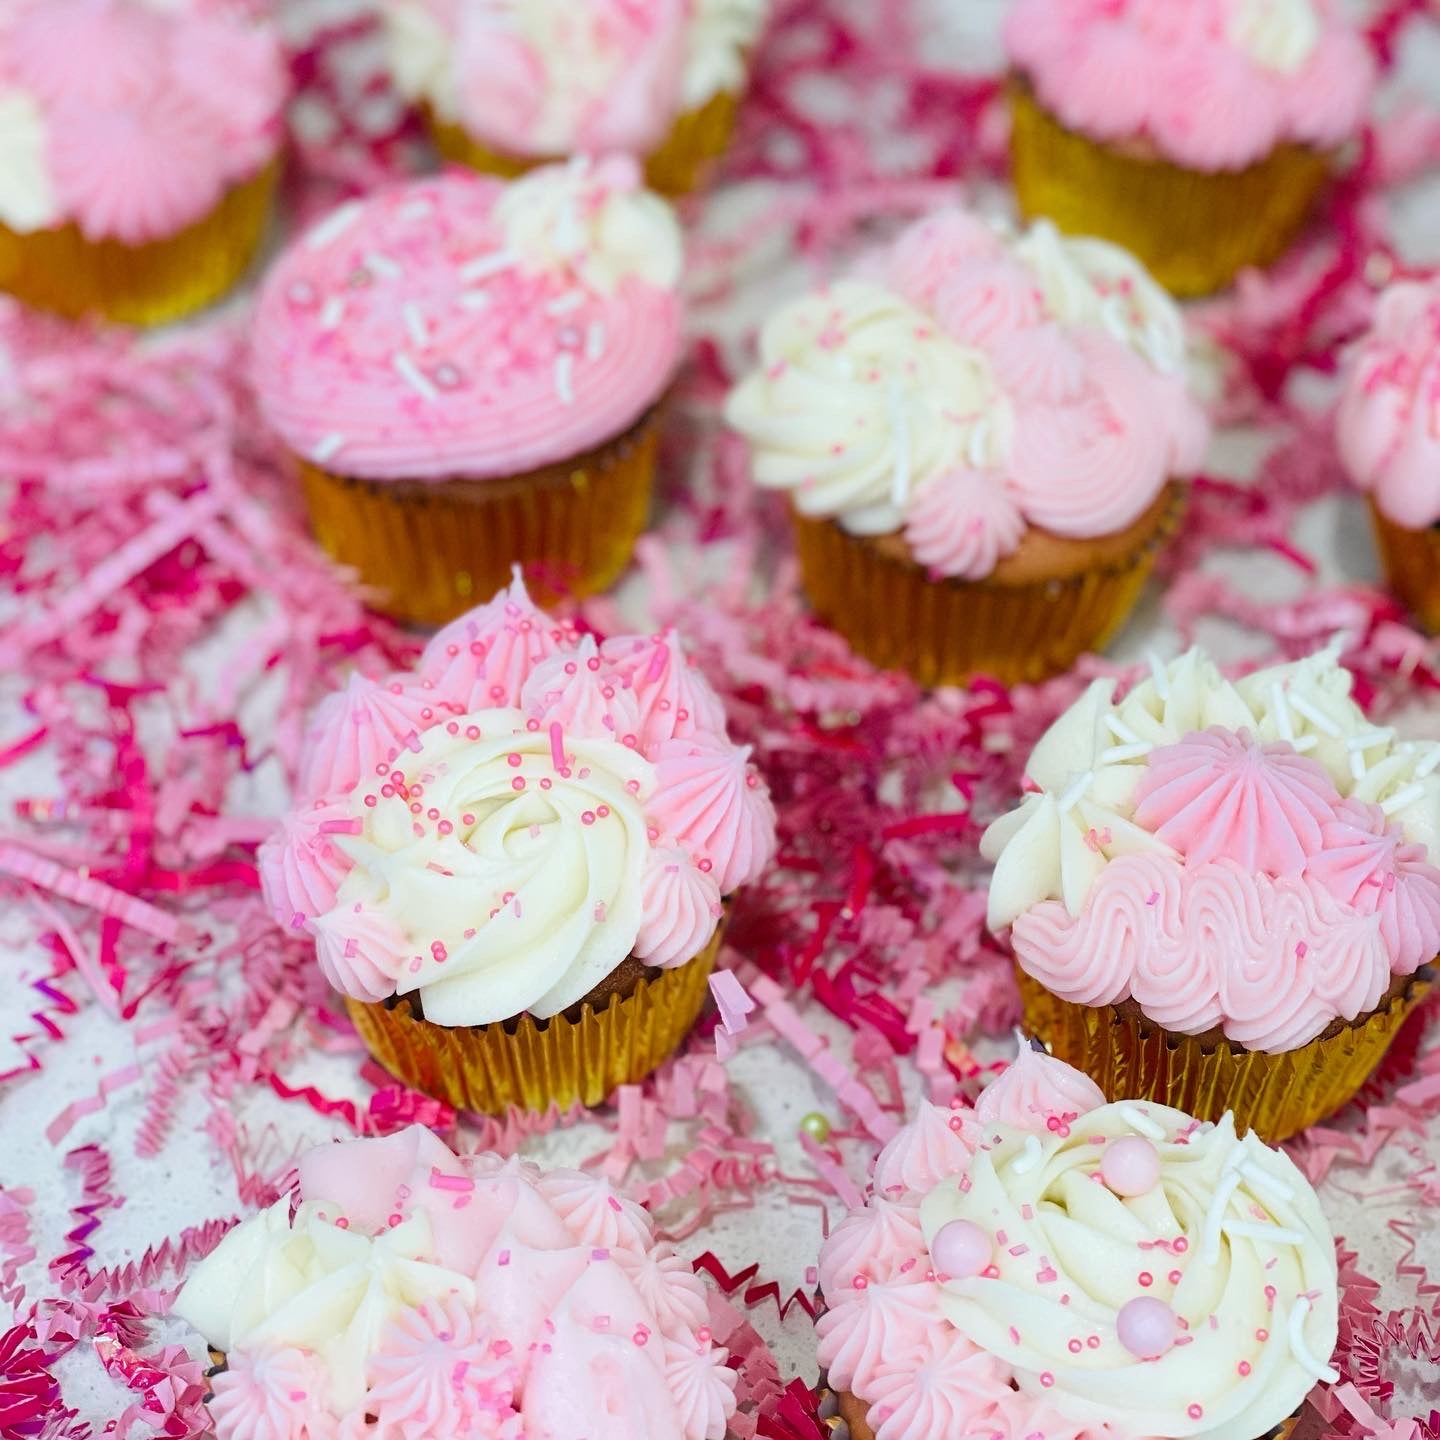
{"x":432,"y":550}
{"x":1412,"y":566}
{"x":946,"y":631}
{"x":1132,"y":1058}
{"x":149,"y":284}
{"x":531,"y":1064}
{"x":679,"y":166}
{"x":1193,"y":229}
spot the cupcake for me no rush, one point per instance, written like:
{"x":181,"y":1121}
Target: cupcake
{"x":469,"y":373}
{"x":1221,"y":896}
{"x":979,"y":434}
{"x":139,"y":147}
{"x":418,"y":1293}
{"x":516,"y":83}
{"x":1197,"y":135}
{"x":512,"y":861}
{"x":1389,"y":438}
{"x":1050,"y":1265}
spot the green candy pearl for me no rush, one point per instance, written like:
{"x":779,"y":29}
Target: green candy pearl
{"x":816,"y":1126}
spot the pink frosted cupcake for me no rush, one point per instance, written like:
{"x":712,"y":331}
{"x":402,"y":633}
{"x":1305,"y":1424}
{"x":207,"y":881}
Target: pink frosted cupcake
{"x":1388,"y":430}
{"x":1222,"y":896}
{"x":1050,"y":1265}
{"x":140,"y":145}
{"x":1197,"y":135}
{"x":514,"y":83}
{"x":470,"y":375}
{"x":418,"y":1293}
{"x":512,"y":861}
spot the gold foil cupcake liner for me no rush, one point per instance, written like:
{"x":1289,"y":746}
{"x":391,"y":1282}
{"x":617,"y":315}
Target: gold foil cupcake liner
{"x":532,"y":1064}
{"x":1131,"y":1058}
{"x":946,"y":631}
{"x":680,"y":165}
{"x":431,"y":550}
{"x":1194,"y":230}
{"x":1412,"y":566}
{"x":61,"y":271}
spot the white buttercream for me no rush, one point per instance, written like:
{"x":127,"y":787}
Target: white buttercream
{"x":1279,"y":34}
{"x":27,"y":199}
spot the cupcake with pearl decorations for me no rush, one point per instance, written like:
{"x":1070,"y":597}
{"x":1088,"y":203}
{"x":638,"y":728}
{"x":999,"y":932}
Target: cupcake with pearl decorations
{"x":1388,"y":431}
{"x":140,"y":147}
{"x":511,"y":84}
{"x":981,"y":435}
{"x":513,"y":861}
{"x":1198,"y":135}
{"x":409,"y":1291}
{"x":469,"y":374}
{"x":1052,"y":1265}
{"x":1222,"y":895}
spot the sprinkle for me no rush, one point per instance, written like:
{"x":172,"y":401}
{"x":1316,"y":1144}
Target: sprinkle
{"x":564,"y":304}
{"x":1075,"y":791}
{"x":595,"y":340}
{"x":382,"y":265}
{"x":413,"y":376}
{"x":415,"y":324}
{"x":1141,"y":1123}
{"x":1118,"y":754}
{"x":565,"y":379}
{"x":1273,"y":1234}
{"x":1262,"y":1180}
{"x":1315,"y":716}
{"x":327,"y":447}
{"x":1120,"y":730}
{"x":334,"y":225}
{"x":1029,"y":1158}
{"x":557,"y":745}
{"x":1301,"y":1351}
{"x":456,"y":1183}
{"x":474,"y":300}
{"x":487,"y":265}
{"x":1215,"y":1216}
{"x":1401,"y":799}
{"x":1283,"y":722}
{"x":1158,"y":674}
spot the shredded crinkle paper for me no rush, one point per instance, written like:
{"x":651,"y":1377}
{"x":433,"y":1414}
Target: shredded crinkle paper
{"x":150,"y":524}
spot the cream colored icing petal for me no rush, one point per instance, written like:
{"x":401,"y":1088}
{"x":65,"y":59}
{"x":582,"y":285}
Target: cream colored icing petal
{"x":27,"y":197}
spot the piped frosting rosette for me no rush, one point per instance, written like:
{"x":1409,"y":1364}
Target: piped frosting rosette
{"x":969,"y":384}
{"x":1249,"y":858}
{"x":549,"y":78}
{"x":1212,"y":84}
{"x":498,"y":831}
{"x":131,"y":119}
{"x":413,"y":1292}
{"x":1050,"y":1264}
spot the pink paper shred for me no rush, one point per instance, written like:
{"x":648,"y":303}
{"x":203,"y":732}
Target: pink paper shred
{"x":148,"y":509}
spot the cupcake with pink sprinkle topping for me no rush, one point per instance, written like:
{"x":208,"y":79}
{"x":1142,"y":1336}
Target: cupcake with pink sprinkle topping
{"x":1198,"y":134}
{"x":1050,"y":1265}
{"x":138,"y":152}
{"x":1221,"y":895}
{"x":513,"y":860}
{"x":413,"y":1292}
{"x":469,"y":374}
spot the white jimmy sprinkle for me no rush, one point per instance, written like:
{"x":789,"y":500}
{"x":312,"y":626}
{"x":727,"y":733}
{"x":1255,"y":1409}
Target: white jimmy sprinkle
{"x":1028,"y":1158}
{"x":1141,"y":1123}
{"x":474,"y":300}
{"x":1283,"y":723}
{"x":1118,"y":754}
{"x":569,"y":234}
{"x":414,"y":210}
{"x":1317,"y":717}
{"x":413,"y":376}
{"x":1159,"y":675}
{"x":383,"y":265}
{"x":1369,"y":739}
{"x":1428,"y":764}
{"x":1113,"y":317}
{"x":487,"y":265}
{"x":595,"y":348}
{"x":900,"y":431}
{"x":1401,"y":798}
{"x":415,"y":324}
{"x":977,"y":445}
{"x":1120,"y":730}
{"x":1215,"y":1215}
{"x":1075,"y":792}
{"x":334,"y":225}
{"x":1260,"y":1179}
{"x":1273,"y":1234}
{"x":564,"y":304}
{"x":1295,"y":1327}
{"x":327,"y":447}
{"x":332,"y":312}
{"x":565,"y":378}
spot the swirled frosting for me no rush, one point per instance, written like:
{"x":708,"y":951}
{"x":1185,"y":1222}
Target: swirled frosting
{"x":464,"y":327}
{"x":968,"y":384}
{"x":1132,"y":1272}
{"x":1252,"y":857}
{"x":547,"y":78}
{"x":433,"y":1294}
{"x":1211,"y":84}
{"x":501,"y":829}
{"x":130,"y":119}
{"x":1388,"y":423}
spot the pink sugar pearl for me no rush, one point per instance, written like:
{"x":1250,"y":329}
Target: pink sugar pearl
{"x":1147,"y":1327}
{"x":960,"y":1249}
{"x":1131,"y":1166}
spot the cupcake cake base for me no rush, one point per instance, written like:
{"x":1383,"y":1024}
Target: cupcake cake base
{"x":1130,"y":1057}
{"x":61,"y":271}
{"x":1045,"y":606}
{"x":1162,"y":213}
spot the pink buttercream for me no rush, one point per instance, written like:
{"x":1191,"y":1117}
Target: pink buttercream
{"x":963,"y":524}
{"x":537,"y":1334}
{"x":1180,"y":76}
{"x":301,"y":866}
{"x":402,"y":337}
{"x":577,"y":689}
{"x":936,"y":1143}
{"x":881,"y":1242}
{"x":149,"y":115}
{"x":1388,"y":424}
{"x":876,"y":1326}
{"x":682,"y":908}
{"x":361,"y":726}
{"x":359,"y":951}
{"x":675,"y":698}
{"x":1037,"y":1093}
{"x":938,"y":1390}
